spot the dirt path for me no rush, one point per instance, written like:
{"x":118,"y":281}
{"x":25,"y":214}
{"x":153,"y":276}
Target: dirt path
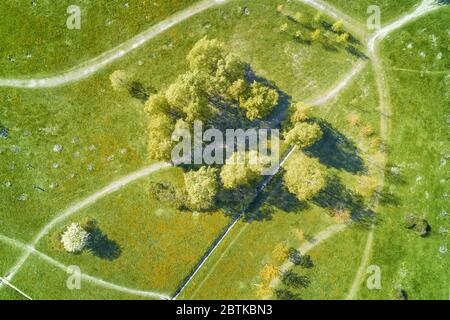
{"x":305,"y":248}
{"x":84,"y":277}
{"x":352,"y":24}
{"x":88,"y":68}
{"x":425,"y":7}
{"x":113,"y":187}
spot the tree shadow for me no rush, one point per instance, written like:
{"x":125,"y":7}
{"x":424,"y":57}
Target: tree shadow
{"x":336,"y":195}
{"x":335,"y":150}
{"x":276,"y":196}
{"x":100,"y":245}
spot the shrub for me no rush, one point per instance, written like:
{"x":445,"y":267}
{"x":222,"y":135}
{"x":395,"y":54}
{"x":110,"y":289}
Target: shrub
{"x":167,"y":193}
{"x":75,"y":238}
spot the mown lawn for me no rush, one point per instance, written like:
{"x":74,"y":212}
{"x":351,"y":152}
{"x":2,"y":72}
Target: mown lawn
{"x":36,"y":40}
{"x":417,"y":176}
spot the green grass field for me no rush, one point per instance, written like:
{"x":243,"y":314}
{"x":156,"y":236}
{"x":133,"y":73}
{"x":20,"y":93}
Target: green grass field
{"x":153,"y":246}
{"x":36,"y":40}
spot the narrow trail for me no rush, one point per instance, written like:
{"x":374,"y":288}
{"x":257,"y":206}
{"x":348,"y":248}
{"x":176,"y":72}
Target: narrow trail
{"x":426,"y":6}
{"x":230,"y":227}
{"x":113,"y":187}
{"x":305,"y":248}
{"x":84,"y":277}
{"x":338,"y":87}
{"x":352,"y":24}
{"x":90,"y":67}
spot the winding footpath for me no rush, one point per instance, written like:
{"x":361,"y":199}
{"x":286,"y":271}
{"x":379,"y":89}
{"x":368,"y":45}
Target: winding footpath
{"x":85,"y":277}
{"x":90,"y":67}
{"x":425,"y":7}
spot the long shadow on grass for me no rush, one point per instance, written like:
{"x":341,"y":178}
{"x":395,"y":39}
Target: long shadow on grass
{"x":336,"y":151}
{"x":100,"y":245}
{"x":336,"y":195}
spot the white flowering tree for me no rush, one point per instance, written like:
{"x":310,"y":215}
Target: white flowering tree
{"x":75,"y":238}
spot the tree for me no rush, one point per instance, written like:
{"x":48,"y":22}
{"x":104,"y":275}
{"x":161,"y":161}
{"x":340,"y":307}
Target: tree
{"x":300,"y":113}
{"x":229,"y":70}
{"x":337,"y":26}
{"x":423,"y":228}
{"x":283,"y":294}
{"x":160,"y":144}
{"x":261,"y":101}
{"x":269,"y":272}
{"x":75,"y":238}
{"x":120,"y":81}
{"x":304,"y":135}
{"x":304,"y":176}
{"x":367,"y":186}
{"x":202,"y":188}
{"x":263,"y":291}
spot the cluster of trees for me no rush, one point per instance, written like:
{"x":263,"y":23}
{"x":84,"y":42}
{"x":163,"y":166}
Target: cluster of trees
{"x":314,"y":28}
{"x":215,"y":75}
{"x":304,"y":176}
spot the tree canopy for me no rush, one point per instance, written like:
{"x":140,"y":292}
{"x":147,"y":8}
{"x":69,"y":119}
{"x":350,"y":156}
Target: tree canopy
{"x":303,"y":135}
